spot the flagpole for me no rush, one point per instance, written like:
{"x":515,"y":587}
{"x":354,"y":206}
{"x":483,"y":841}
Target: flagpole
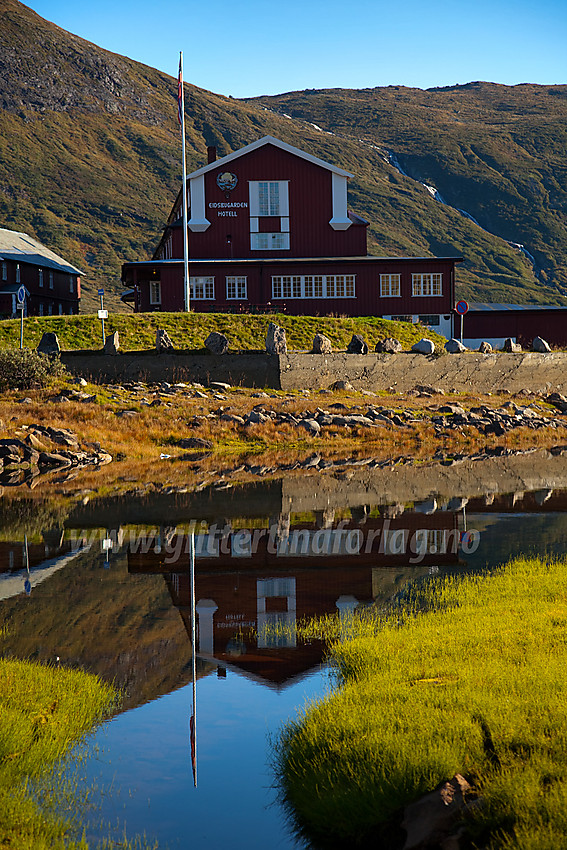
{"x":181,"y":103}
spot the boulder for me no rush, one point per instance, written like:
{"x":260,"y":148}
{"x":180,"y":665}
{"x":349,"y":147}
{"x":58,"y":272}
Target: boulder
{"x":112,"y":343}
{"x":217,"y":343}
{"x":388,"y":346}
{"x":310,"y":425}
{"x":432,"y":819}
{"x":194,"y":443}
{"x":485,"y":348}
{"x":276,"y":342}
{"x":342,"y":385}
{"x":357,"y":345}
{"x":163,"y":341}
{"x":511,"y":347}
{"x":454,"y":346}
{"x":424,"y":346}
{"x":322,"y":344}
{"x":540,"y":345}
{"x":49,"y":344}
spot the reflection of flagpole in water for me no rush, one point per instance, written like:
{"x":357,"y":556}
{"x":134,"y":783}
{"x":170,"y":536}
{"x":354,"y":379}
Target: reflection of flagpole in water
{"x":193,"y":721}
{"x":27,"y":582}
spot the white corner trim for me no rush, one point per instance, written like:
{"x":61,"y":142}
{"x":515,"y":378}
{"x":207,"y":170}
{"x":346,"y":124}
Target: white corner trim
{"x":340,"y":219}
{"x":198,"y":222}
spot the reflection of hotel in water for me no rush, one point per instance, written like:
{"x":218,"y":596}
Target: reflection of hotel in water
{"x":253,"y":586}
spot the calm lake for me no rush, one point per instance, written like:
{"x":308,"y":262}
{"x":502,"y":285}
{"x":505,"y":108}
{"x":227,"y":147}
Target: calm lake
{"x":104,"y":584}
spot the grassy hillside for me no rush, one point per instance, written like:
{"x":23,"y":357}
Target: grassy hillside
{"x":90,"y":160}
{"x":190,"y":330}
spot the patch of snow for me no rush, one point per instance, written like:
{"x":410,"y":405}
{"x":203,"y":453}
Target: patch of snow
{"x":285,"y":115}
{"x":316,"y":127}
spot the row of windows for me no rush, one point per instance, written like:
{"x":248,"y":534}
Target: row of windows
{"x":314,"y":286}
{"x":39,"y":277}
{"x":305,"y":286}
{"x":422,"y":285}
{"x":49,"y":311}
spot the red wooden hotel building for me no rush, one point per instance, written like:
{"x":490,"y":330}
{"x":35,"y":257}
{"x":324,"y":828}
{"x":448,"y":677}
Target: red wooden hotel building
{"x":269,"y":227}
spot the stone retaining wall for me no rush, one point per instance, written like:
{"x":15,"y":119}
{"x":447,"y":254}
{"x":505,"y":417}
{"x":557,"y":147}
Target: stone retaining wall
{"x":470,"y":371}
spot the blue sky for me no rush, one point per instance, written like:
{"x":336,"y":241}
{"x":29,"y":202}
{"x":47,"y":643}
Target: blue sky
{"x":256,"y":47}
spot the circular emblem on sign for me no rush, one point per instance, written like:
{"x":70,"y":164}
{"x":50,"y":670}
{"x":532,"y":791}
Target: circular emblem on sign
{"x":226,"y":181}
{"x":461,"y":307}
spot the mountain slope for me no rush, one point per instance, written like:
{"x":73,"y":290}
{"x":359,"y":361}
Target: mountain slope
{"x":90,"y":160}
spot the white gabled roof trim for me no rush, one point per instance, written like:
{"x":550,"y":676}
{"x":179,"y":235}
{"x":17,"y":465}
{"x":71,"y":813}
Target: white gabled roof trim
{"x":268,"y":140}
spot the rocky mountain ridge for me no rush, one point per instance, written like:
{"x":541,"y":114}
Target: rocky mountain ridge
{"x":90,"y":161}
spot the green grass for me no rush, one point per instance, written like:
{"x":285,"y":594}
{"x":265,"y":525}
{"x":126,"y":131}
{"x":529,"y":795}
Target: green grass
{"x":474,"y":682}
{"x":189,"y":330}
{"x":44,"y":711}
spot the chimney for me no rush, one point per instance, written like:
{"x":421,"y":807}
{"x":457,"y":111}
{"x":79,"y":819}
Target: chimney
{"x":211,"y":154}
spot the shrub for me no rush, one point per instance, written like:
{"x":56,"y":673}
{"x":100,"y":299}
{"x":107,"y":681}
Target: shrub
{"x":23,"y":369}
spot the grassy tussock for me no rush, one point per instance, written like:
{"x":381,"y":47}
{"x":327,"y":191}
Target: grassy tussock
{"x":44,"y":712}
{"x":475,"y":684}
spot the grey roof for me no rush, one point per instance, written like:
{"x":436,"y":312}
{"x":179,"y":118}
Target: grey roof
{"x":494,"y":307}
{"x":22,"y":248}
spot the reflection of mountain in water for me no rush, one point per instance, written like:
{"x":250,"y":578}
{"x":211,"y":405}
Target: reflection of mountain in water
{"x":270,"y":554}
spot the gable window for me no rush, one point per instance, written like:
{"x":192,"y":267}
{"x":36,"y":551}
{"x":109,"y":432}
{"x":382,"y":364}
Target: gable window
{"x":51,"y":280}
{"x":40,"y":277}
{"x":18,"y":273}
{"x":236,"y":287}
{"x":155,"y":292}
{"x":202,"y":288}
{"x":269,"y":241}
{"x":390,"y":286}
{"x":269,"y":197}
{"x":4,"y":271}
{"x":423,"y":285}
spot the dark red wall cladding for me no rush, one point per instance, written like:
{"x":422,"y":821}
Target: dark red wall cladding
{"x":59,"y":293}
{"x":524,"y":325}
{"x":367,"y":301}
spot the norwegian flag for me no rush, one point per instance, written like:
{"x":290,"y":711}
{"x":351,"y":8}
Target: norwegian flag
{"x":180,"y":94}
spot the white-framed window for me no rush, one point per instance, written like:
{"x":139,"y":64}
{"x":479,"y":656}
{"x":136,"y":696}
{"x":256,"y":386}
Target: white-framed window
{"x":390,"y":286}
{"x":18,"y":276}
{"x":431,"y":321}
{"x":4,"y":271}
{"x":314,"y":286}
{"x":404,"y":318}
{"x":51,"y":280}
{"x":71,"y":283}
{"x":269,"y":198}
{"x":40,"y":277}
{"x":236,"y":287}
{"x":269,"y":241}
{"x":155,"y":292}
{"x":202,"y":288}
{"x":423,"y":285}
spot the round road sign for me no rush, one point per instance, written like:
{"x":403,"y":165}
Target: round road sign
{"x":461,"y":307}
{"x":21,"y":294}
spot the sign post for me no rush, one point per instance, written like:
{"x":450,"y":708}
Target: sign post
{"x":461,"y":308}
{"x":22,"y":309}
{"x":102,"y":314}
